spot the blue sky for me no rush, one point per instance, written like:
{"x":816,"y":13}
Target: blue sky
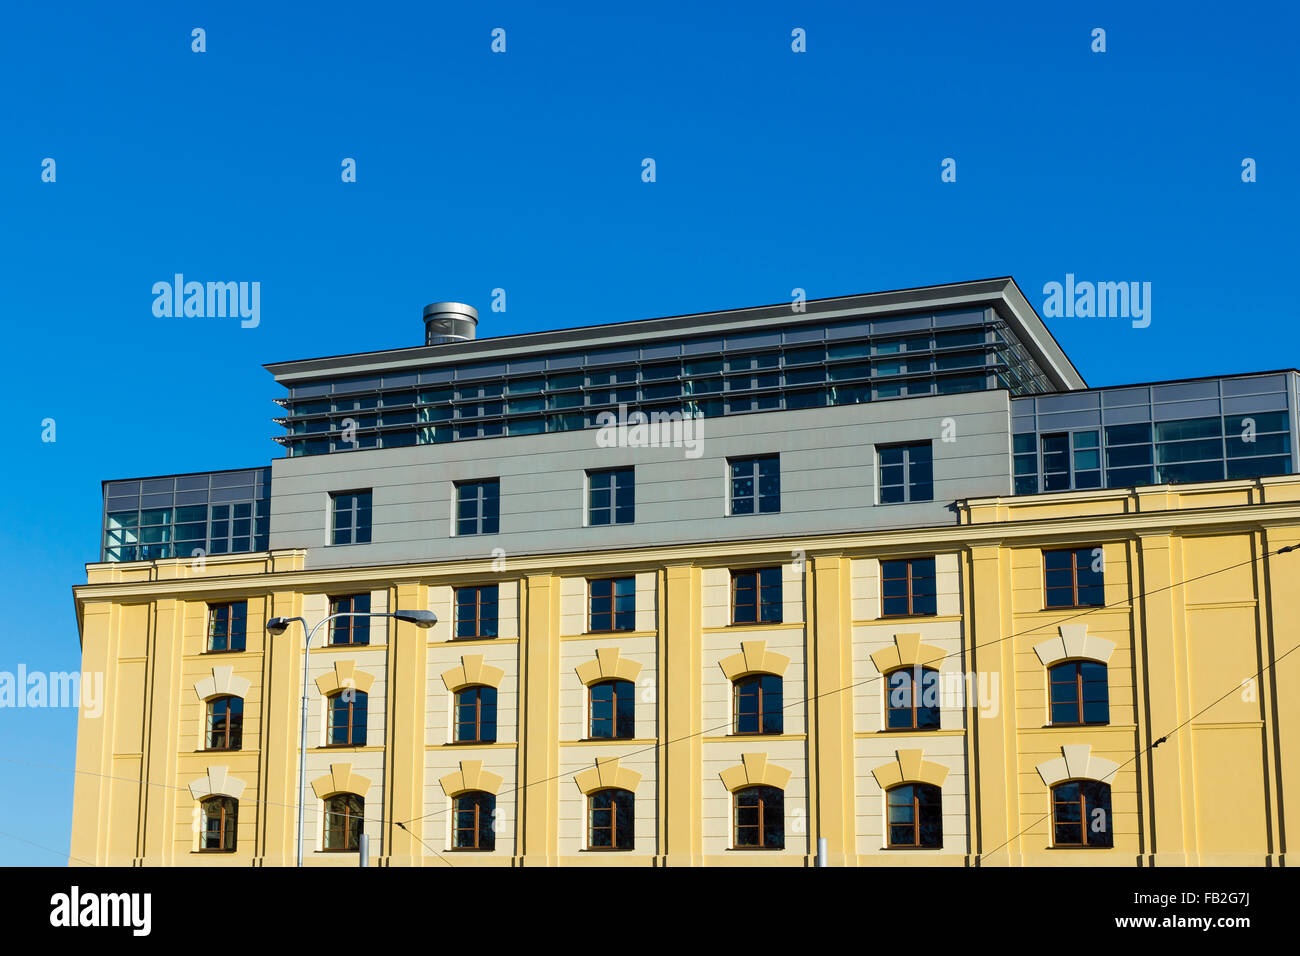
{"x":522,"y":171}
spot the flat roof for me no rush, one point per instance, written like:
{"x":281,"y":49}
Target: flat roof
{"x":185,"y":474}
{"x":1166,"y":381}
{"x":1000,"y":293}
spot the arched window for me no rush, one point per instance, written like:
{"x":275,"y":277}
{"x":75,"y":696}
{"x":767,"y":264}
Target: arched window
{"x":912,"y":699}
{"x":609,"y":820}
{"x":476,"y":715}
{"x":915,"y":815}
{"x":225,"y":724}
{"x":613,"y":709}
{"x":1081,"y":814}
{"x":347,"y":723}
{"x":344,"y":813}
{"x":473,"y":825}
{"x":220,"y":817}
{"x":1080,"y":693}
{"x":760,"y":818}
{"x":757,"y":703}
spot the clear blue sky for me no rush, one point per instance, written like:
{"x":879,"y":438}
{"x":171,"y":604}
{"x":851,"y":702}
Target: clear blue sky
{"x":522,"y":171}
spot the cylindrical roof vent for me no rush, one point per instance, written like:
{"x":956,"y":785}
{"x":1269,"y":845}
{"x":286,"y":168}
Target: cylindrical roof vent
{"x":446,"y":322}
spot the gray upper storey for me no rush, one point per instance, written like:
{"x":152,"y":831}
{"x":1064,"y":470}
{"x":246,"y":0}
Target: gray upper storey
{"x":828,"y":467}
{"x":828,"y":483}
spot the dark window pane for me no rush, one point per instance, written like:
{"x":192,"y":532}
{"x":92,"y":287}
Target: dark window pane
{"x":611,"y":497}
{"x":612,"y":710}
{"x":756,"y":485}
{"x":1128,"y":455}
{"x":908,"y":587}
{"x":476,"y":715}
{"x":350,"y":518}
{"x":758,"y":704}
{"x":610,"y":820}
{"x":909,"y":706}
{"x":1257,"y":467}
{"x":1128,"y":434}
{"x":474,"y":821}
{"x":759,"y":818}
{"x":476,"y":611}
{"x":906,"y":473}
{"x":478,"y":507}
{"x":612,"y":604}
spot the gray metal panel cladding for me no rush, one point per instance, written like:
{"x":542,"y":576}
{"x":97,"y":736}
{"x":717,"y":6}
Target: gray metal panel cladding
{"x":828,"y":483}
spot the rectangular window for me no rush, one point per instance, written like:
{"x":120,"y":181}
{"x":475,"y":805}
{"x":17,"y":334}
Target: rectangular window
{"x":611,"y":604}
{"x":611,"y":496}
{"x":1056,"y":461}
{"x":225,"y":727}
{"x":478,"y":507}
{"x":1079,"y":693}
{"x":476,"y":715}
{"x":756,"y":704}
{"x":756,"y":596}
{"x":1129,"y":457}
{"x":1073,"y":578}
{"x":347,"y":719}
{"x":1087,"y":459}
{"x":613,"y":709}
{"x":906,"y":473}
{"x":234,"y":528}
{"x":226,"y":626}
{"x":755,"y":485}
{"x":220,"y":821}
{"x":350,"y":630}
{"x":476,"y":611}
{"x":907,"y":587}
{"x":1081,"y":814}
{"x":351,"y":524}
{"x":1025,"y":464}
{"x":1257,"y":444}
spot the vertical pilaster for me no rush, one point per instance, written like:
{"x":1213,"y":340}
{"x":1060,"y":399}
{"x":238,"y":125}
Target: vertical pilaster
{"x":830,"y":643}
{"x":681,"y":701}
{"x":539,"y":706}
{"x":661,"y":716}
{"x":277,"y":778}
{"x":1282,"y":610}
{"x":1164,"y":658}
{"x":996,"y":757}
{"x":91,"y":807}
{"x":404,"y":743}
{"x":161,"y":730}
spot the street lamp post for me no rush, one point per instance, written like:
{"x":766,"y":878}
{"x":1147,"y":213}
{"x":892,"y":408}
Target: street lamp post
{"x":278,"y":625}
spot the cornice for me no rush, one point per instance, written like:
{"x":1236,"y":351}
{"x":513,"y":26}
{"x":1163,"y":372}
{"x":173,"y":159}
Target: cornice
{"x":858,"y":544}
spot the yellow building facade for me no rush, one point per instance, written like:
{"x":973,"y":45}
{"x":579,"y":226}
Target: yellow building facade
{"x":1199,"y":751}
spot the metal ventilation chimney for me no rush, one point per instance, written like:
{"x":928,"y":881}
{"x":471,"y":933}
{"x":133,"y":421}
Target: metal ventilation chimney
{"x":446,"y":322}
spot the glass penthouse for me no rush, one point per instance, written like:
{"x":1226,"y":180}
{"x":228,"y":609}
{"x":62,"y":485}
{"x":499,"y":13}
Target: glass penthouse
{"x":876,"y":410}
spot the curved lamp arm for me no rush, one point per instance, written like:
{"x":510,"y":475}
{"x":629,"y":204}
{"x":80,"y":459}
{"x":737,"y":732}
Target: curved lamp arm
{"x":278,"y":625}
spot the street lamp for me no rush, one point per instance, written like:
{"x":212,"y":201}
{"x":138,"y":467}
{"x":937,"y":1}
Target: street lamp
{"x":278,"y":625}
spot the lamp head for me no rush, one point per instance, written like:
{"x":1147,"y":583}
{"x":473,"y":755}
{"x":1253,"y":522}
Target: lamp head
{"x":421,"y":619}
{"x":278,"y":625}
